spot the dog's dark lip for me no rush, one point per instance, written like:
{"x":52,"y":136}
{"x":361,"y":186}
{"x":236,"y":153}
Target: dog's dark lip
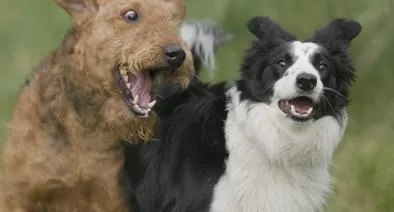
{"x":128,"y":96}
{"x":287,"y":106}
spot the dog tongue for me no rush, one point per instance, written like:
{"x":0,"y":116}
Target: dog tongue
{"x":301,"y":105}
{"x":141,"y":86}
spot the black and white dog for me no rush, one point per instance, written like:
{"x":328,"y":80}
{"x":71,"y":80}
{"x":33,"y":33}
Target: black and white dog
{"x":203,"y":38}
{"x":262,"y":145}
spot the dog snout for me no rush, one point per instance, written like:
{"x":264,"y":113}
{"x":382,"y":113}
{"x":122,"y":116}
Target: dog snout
{"x":306,"y":82}
{"x":175,"y":55}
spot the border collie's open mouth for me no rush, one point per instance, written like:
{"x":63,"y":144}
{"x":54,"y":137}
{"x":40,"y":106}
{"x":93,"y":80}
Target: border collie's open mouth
{"x":299,"y":108}
{"x":137,"y":89}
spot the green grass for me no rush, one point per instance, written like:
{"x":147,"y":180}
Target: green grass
{"x":363,"y":167}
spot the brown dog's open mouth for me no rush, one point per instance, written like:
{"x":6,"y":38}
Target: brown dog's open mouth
{"x":299,"y":108}
{"x":137,"y":89}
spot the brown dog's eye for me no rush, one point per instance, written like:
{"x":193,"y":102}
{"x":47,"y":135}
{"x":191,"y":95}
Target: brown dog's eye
{"x":131,"y":15}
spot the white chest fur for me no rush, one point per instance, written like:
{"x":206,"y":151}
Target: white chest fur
{"x":274,"y":165}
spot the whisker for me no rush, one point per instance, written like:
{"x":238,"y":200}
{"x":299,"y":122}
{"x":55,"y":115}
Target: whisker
{"x":328,"y":102}
{"x":268,"y":86}
{"x":160,"y":97}
{"x":335,"y":91}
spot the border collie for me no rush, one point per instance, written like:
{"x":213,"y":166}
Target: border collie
{"x":203,"y":38}
{"x":264,"y":144}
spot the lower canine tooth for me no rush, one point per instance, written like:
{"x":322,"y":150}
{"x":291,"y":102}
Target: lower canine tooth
{"x":151,"y":104}
{"x":309,"y":111}
{"x":128,"y":85}
{"x":135,"y":101}
{"x":292,"y":109}
{"x":142,"y":111}
{"x":137,"y":107}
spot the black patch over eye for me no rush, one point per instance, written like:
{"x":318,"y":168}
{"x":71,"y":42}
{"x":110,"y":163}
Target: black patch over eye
{"x":282,"y":64}
{"x":130,"y":15}
{"x":322,"y":66}
{"x":283,"y":61}
{"x":320,"y":63}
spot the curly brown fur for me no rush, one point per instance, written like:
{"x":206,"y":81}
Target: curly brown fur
{"x":63,"y":150}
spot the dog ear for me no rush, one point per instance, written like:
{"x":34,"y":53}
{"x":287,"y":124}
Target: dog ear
{"x":181,"y":7}
{"x":340,"y":31}
{"x":179,"y":2}
{"x":266,"y":29}
{"x":76,"y":8}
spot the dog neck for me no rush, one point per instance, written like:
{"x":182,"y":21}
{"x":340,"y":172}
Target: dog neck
{"x":274,"y":165}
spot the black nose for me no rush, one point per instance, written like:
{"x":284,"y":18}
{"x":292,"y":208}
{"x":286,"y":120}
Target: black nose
{"x":306,"y":82}
{"x":175,"y":55}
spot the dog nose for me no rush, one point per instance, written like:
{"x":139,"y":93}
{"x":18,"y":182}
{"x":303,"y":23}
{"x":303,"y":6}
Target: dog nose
{"x":175,"y":55}
{"x":306,"y":82}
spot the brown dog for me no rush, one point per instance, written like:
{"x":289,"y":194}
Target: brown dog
{"x":63,"y":149}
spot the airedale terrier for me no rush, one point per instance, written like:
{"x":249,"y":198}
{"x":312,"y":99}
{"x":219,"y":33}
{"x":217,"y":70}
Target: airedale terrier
{"x":63,"y":149}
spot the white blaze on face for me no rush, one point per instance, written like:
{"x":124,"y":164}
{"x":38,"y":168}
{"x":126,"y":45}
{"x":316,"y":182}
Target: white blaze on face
{"x":302,"y":53}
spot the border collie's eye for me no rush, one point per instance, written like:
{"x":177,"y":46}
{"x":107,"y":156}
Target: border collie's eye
{"x":322,"y":66}
{"x":282,"y":63}
{"x":130,"y":15}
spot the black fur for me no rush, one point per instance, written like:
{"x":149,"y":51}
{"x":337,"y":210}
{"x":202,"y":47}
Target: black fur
{"x":178,"y":171}
{"x":260,"y":68}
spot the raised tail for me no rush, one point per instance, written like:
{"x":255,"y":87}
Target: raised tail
{"x":203,"y":38}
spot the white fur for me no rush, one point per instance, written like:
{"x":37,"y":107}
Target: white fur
{"x":285,"y":87}
{"x":204,"y":36}
{"x":275,"y":165}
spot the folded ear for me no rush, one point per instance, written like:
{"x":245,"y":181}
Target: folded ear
{"x":76,"y":8}
{"x":266,"y":29}
{"x":338,"y":31}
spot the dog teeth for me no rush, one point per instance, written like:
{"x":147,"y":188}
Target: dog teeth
{"x":136,"y":98}
{"x":143,"y":113}
{"x":125,"y":78}
{"x":138,"y":107}
{"x":309,"y":111}
{"x":151,"y":104}
{"x":142,"y":110}
{"x":128,"y":85}
{"x":293,"y":111}
{"x":123,"y":72}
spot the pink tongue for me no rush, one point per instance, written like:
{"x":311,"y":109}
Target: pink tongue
{"x":301,"y":106}
{"x":141,"y":85}
{"x":301,"y":109}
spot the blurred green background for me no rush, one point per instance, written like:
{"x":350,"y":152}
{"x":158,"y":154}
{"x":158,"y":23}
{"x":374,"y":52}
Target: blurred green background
{"x":364,"y":163}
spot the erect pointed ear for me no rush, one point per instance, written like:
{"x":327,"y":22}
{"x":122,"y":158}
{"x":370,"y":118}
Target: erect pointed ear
{"x":77,"y":8}
{"x":338,"y":31}
{"x":266,"y":29}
